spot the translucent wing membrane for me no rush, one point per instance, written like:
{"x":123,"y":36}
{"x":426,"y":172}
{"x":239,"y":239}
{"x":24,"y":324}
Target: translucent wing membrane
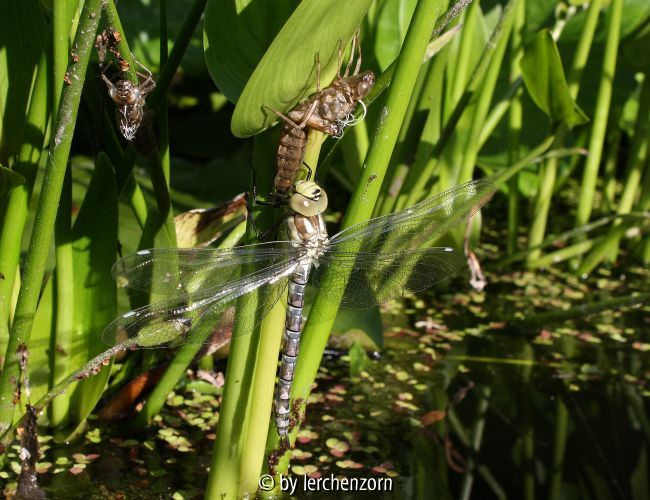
{"x":378,"y":278}
{"x":177,"y":272}
{"x":192,"y":317}
{"x":369,"y":263}
{"x":417,"y":225}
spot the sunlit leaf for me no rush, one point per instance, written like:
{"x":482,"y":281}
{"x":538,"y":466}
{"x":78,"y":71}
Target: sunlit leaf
{"x":95,"y":294}
{"x":286,"y":74}
{"x":544,"y":78}
{"x":393,"y":22}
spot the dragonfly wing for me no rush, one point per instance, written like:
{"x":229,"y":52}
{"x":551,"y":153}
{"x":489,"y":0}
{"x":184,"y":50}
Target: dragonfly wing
{"x":193,"y":317}
{"x":366,"y":279}
{"x":417,"y":225}
{"x":176,"y":272}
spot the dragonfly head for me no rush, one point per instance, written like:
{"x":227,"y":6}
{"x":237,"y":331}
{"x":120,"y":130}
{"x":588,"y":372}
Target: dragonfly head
{"x":362,"y":84}
{"x":308,"y":198}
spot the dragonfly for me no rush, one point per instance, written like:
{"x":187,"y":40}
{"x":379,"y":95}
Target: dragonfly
{"x":366,"y":264}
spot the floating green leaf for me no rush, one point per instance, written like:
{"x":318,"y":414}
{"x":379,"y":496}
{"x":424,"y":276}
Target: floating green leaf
{"x":544,"y":78}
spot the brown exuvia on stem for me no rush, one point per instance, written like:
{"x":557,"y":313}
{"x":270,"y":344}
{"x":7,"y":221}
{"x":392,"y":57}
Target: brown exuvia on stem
{"x":329,"y":110}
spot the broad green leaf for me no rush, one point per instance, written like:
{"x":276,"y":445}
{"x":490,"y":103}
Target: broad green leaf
{"x":95,"y":294}
{"x":236,"y":33}
{"x":8,"y":180}
{"x":393,"y":21}
{"x":22,"y":33}
{"x":543,"y":75}
{"x":286,"y":74}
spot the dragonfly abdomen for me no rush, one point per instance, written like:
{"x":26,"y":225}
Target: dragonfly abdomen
{"x":290,"y":346}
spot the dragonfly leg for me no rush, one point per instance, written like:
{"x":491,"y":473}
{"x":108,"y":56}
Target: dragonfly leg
{"x":276,"y":202}
{"x":318,"y":89}
{"x":355,"y":39}
{"x":282,"y":116}
{"x":358,"y":66}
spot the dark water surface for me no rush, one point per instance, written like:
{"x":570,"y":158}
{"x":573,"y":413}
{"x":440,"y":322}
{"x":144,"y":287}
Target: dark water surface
{"x":462,"y":403}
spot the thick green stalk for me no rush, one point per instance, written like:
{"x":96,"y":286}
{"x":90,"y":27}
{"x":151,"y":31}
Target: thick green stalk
{"x":326,"y":303}
{"x":584,"y":47}
{"x":515,"y":125}
{"x":47,"y":207}
{"x":60,"y":31}
{"x":588,"y":185}
{"x":610,"y":182}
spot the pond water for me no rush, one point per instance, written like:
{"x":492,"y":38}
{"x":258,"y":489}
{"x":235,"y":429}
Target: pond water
{"x":463,"y":402}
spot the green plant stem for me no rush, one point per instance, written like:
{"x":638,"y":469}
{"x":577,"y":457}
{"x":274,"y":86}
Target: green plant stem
{"x":485,"y":473}
{"x":326,"y":303}
{"x":91,"y":368}
{"x":599,"y":128}
{"x":60,"y":32}
{"x":463,"y":61}
{"x":477,"y":439}
{"x":47,"y":207}
{"x":113,"y":20}
{"x":483,"y":98}
{"x":433,"y":92}
{"x":634,"y":171}
{"x":418,"y":186}
{"x":515,"y":118}
{"x":527,"y":424}
{"x":547,"y":174}
{"x":178,"y":50}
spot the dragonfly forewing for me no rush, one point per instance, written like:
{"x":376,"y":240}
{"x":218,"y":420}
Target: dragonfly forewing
{"x":178,"y":272}
{"x":192,"y":317}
